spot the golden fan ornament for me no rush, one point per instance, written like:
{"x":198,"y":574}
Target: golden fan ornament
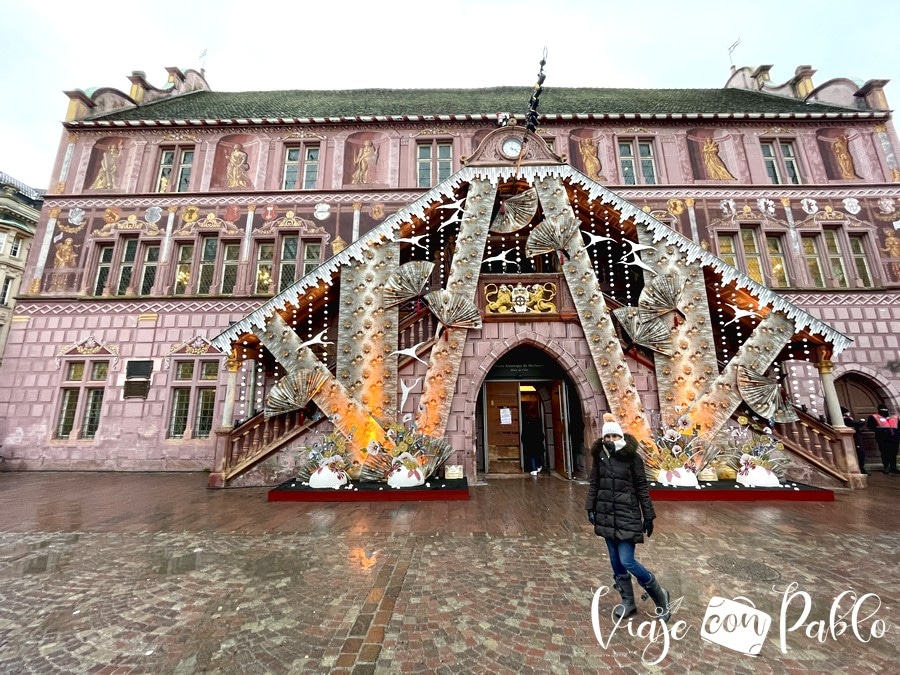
{"x":764,"y":396}
{"x":453,"y":310}
{"x":645,"y":329}
{"x":661,"y":295}
{"x":293,"y":391}
{"x":551,"y":235}
{"x":515,"y":212}
{"x":407,"y":281}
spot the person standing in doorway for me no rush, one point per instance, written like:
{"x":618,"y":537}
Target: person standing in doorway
{"x":856,"y":425}
{"x":533,"y":441}
{"x":619,"y":507}
{"x":886,"y":435}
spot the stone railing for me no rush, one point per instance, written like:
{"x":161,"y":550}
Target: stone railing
{"x":241,"y":448}
{"x":830,"y":450}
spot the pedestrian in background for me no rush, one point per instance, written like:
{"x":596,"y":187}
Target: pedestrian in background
{"x":619,"y":507}
{"x":886,"y":435}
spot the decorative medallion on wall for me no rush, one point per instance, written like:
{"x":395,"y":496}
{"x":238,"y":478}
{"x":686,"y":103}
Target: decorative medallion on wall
{"x":291,"y":220}
{"x":76,"y":219}
{"x":211,"y":222}
{"x":128,"y":224}
{"x":196,"y":346}
{"x":90,"y":346}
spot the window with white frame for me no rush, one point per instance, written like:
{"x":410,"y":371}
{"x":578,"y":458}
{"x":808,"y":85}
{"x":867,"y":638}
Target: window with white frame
{"x":174,"y":172}
{"x":3,"y":236}
{"x":637,"y":162}
{"x":81,"y":399}
{"x":827,"y":259}
{"x":742,"y":251}
{"x":312,"y":256}
{"x":813,"y":260}
{"x":149,"y":269}
{"x":780,"y":159}
{"x":193,"y":398}
{"x":230,"y":260}
{"x":265,"y":259}
{"x":301,"y":167}
{"x":861,"y":260}
{"x":126,"y":266}
{"x":104,"y":267}
{"x":15,"y":246}
{"x":209,"y":247}
{"x":183,"y":267}
{"x":434,"y":162}
{"x":835,"y":254}
{"x":778,"y":277}
{"x":6,"y":291}
{"x":290,"y":257}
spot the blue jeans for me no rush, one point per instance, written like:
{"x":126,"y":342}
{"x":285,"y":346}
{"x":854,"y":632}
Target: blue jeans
{"x":621,"y":557}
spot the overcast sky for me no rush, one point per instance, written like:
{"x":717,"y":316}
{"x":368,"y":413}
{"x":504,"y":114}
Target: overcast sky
{"x":50,"y":47}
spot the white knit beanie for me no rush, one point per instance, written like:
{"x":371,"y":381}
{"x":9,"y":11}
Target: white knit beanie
{"x":611,"y":427}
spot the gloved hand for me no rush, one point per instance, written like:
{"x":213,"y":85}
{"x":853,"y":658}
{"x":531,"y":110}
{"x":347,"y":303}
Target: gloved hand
{"x":648,"y":526}
{"x":592,"y":517}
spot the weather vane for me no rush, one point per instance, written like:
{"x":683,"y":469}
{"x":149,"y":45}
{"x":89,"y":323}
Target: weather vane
{"x":731,"y":50}
{"x":531,"y":119}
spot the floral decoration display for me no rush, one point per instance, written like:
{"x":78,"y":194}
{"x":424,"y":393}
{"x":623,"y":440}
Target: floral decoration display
{"x":679,"y":453}
{"x":758,"y":459}
{"x":330,"y":462}
{"x":409,"y":458}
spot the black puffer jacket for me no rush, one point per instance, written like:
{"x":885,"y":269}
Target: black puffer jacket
{"x":618,"y":494}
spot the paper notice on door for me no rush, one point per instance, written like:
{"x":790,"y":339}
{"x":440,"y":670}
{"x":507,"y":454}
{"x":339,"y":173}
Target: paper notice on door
{"x":505,"y":415}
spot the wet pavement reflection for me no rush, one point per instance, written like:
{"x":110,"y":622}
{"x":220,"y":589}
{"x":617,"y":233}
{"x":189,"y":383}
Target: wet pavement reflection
{"x":152,"y":573}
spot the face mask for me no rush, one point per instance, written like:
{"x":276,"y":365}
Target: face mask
{"x":619,"y":444}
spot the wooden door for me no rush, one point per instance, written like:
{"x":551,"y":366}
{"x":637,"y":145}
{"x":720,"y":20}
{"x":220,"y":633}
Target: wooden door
{"x":860,"y":398}
{"x":501,"y":414}
{"x":562,"y":454}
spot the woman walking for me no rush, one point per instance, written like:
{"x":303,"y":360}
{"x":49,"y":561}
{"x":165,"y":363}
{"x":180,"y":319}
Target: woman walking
{"x":619,"y":507}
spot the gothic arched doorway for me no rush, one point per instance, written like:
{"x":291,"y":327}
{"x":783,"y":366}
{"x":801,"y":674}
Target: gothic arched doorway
{"x":524,"y":382}
{"x":861,"y":396}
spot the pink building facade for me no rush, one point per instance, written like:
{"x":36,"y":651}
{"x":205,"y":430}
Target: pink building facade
{"x":179,"y":211}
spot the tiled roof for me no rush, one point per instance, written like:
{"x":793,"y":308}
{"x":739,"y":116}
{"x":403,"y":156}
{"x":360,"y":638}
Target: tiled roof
{"x":420,"y":102}
{"x":30,"y":192}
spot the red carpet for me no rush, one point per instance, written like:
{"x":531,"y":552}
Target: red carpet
{"x":729,"y":491}
{"x":438,"y":489}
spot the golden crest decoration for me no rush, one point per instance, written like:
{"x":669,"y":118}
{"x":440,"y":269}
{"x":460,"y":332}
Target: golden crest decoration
{"x":191,"y":213}
{"x":112,"y":214}
{"x":675,"y":207}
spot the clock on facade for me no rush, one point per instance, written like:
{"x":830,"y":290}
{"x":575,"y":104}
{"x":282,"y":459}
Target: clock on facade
{"x":511,"y":148}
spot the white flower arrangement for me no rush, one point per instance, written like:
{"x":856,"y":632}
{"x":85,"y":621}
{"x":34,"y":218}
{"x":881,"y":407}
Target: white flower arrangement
{"x":755,"y":455}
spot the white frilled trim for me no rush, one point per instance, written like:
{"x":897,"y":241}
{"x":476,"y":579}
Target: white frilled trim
{"x":387,"y":230}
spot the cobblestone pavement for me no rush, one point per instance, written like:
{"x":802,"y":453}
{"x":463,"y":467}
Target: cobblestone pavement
{"x":150,"y":573}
